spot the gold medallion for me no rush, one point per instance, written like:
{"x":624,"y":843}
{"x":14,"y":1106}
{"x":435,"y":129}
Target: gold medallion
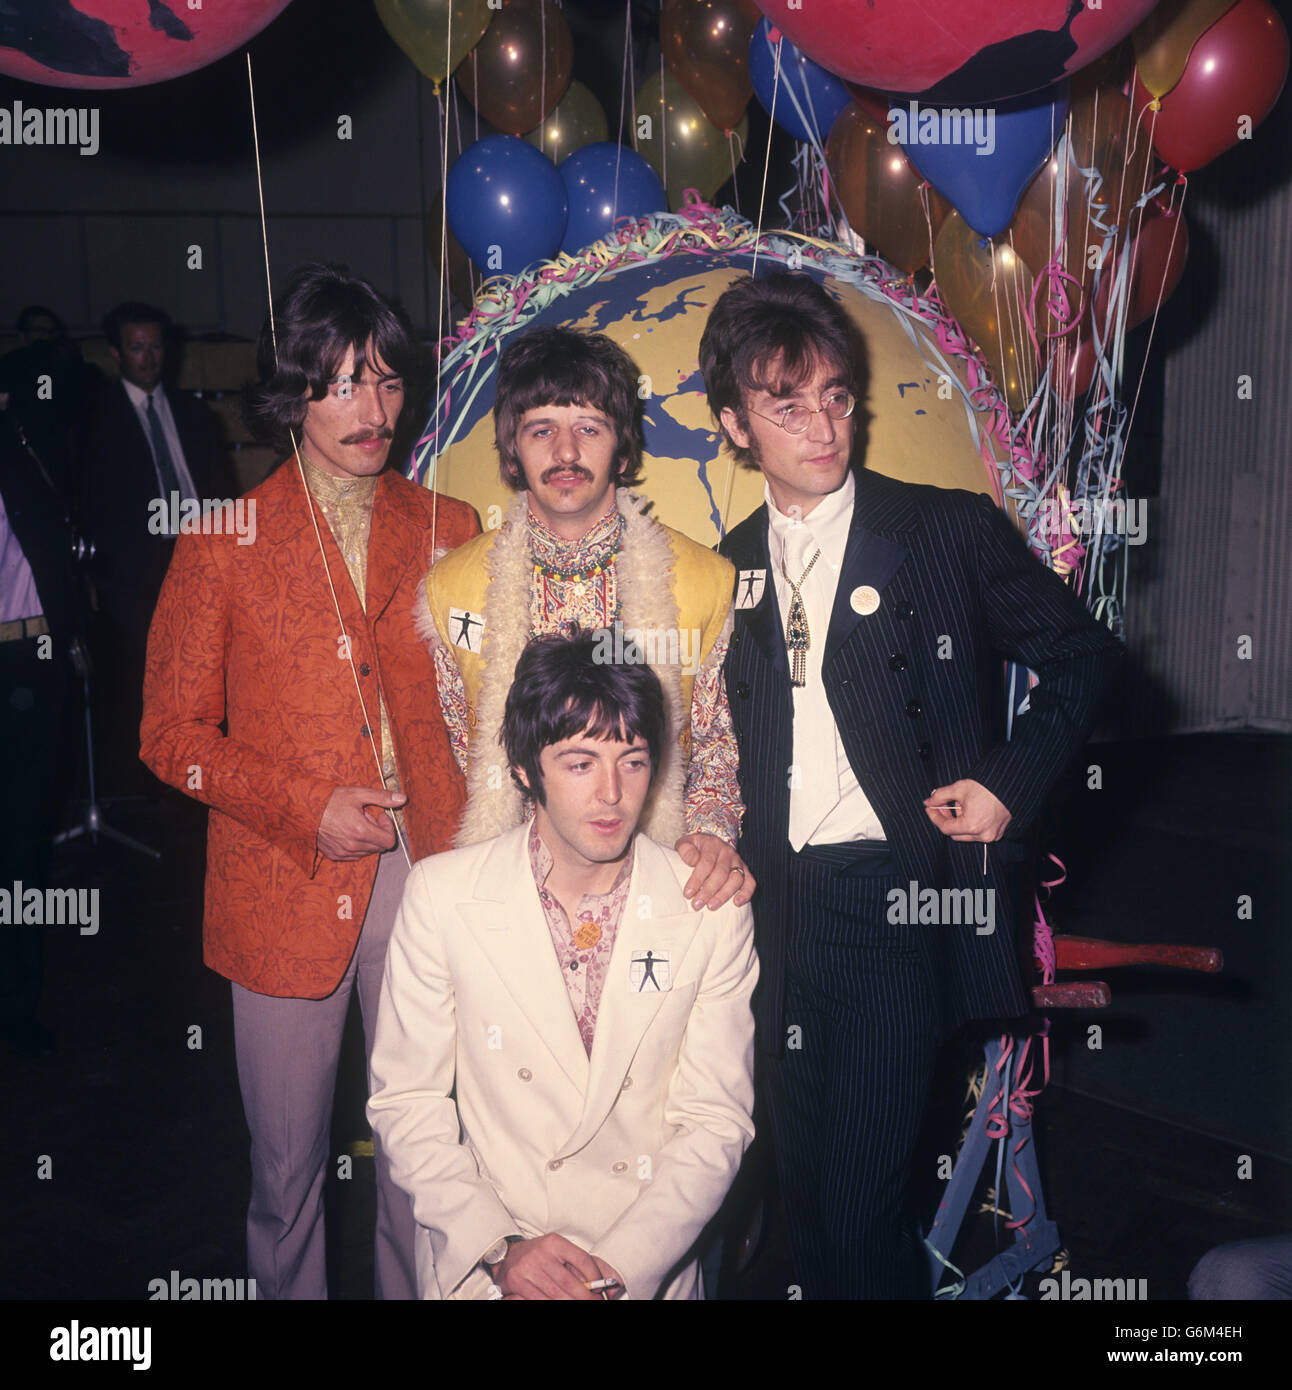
{"x":587,"y":934}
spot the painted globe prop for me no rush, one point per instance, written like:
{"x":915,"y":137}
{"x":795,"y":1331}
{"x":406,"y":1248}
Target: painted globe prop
{"x":922,"y":427}
{"x":96,"y":44}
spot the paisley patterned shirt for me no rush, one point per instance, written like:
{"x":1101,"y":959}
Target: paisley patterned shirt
{"x":582,"y":948}
{"x":346,"y":503}
{"x":575,"y":582}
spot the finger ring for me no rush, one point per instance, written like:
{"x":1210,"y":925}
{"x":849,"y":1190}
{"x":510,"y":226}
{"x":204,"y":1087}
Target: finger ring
{"x":736,"y":869}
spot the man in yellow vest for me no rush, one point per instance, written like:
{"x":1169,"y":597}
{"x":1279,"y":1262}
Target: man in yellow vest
{"x":578,"y":549}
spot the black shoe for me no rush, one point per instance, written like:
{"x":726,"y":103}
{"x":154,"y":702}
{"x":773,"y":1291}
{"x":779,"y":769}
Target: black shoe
{"x":27,"y":1037}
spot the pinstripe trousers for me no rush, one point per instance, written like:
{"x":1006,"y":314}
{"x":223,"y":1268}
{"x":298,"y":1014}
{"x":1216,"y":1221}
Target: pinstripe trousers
{"x":847,"y":1095}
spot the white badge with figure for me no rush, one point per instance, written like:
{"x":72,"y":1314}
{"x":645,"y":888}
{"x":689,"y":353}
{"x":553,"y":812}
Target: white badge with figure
{"x":749,"y":591}
{"x":648,"y":972}
{"x":466,"y":629}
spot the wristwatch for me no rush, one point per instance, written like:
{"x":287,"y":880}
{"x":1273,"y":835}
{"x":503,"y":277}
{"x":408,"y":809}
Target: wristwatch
{"x":496,"y":1254}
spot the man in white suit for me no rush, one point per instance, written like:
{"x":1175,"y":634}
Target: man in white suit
{"x":597,"y":1030}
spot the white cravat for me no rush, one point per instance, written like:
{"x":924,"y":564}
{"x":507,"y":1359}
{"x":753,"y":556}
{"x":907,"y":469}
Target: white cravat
{"x":826,"y":804}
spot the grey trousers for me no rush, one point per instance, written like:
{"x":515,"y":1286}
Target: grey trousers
{"x":287,"y":1051}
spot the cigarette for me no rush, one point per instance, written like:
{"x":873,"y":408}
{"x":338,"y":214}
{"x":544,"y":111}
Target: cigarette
{"x":598,"y":1285}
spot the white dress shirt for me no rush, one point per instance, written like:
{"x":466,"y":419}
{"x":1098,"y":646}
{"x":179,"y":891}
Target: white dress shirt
{"x":139,"y":399}
{"x":827,"y":806}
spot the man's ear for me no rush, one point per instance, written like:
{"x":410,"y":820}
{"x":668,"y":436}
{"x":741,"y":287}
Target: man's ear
{"x":116,"y":356}
{"x":519,"y":774}
{"x":739,"y":437}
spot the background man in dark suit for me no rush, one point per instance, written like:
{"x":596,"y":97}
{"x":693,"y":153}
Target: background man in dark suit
{"x":146,"y":440}
{"x":865,"y":684}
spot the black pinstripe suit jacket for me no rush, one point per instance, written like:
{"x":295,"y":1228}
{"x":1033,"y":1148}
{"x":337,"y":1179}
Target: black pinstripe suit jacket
{"x":917,"y":693}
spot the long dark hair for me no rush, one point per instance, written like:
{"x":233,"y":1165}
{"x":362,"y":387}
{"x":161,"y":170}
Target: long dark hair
{"x":563,"y":686}
{"x":323,"y":312}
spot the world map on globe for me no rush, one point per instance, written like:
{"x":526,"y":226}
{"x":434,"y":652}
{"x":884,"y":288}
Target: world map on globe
{"x":914,"y":423}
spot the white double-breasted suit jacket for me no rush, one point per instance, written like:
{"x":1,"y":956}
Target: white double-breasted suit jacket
{"x":629,"y":1152}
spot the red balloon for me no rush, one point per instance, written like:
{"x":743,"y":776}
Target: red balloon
{"x":1237,"y":69}
{"x":873,"y":103}
{"x":95,"y":44}
{"x":969,"y":51}
{"x":1158,"y":254}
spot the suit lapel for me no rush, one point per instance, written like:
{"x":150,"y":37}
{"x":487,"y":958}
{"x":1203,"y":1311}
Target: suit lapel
{"x":397,"y":525}
{"x":873,"y":556}
{"x":763,"y":621}
{"x":506,"y":919}
{"x":625,"y":1013}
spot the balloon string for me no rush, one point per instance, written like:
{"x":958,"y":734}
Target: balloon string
{"x":663,"y":122}
{"x":623,"y":91}
{"x":732,"y":138}
{"x":1161,"y":289}
{"x":767,"y":157}
{"x":344,"y":644}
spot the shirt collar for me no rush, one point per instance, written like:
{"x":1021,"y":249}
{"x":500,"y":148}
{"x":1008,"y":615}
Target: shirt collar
{"x":139,"y":398}
{"x":540,"y":862}
{"x":829,"y":522}
{"x":339,"y":492}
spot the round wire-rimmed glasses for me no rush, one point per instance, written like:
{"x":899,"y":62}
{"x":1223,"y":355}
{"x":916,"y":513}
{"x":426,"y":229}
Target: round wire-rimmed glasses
{"x":796,"y":419}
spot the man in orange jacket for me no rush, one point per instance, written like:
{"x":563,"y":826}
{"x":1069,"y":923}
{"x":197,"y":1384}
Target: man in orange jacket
{"x":287,"y":690}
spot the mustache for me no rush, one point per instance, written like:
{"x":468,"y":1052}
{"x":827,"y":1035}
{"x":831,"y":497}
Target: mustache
{"x":566,"y":468}
{"x":364,"y":435}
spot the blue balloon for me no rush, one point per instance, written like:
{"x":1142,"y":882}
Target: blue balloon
{"x":810,"y":98}
{"x":981,"y":158}
{"x":506,"y":204}
{"x":602,"y":182}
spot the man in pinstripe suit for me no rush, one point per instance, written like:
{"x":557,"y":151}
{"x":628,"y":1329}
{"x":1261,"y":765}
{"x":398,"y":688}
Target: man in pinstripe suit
{"x":865,"y":684}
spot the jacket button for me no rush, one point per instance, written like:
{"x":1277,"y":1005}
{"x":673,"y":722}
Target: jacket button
{"x":554,"y":1165}
{"x":525,"y":1074}
{"x":742,"y":689}
{"x":897,"y":662}
{"x":365,"y":732}
{"x":365,"y":669}
{"x":628,"y":1081}
{"x":925,"y":750}
{"x":620,"y":1167}
{"x":914,"y":709}
{"x":904,"y":608}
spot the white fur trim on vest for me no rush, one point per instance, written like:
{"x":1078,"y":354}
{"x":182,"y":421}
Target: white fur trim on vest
{"x":644,"y":571}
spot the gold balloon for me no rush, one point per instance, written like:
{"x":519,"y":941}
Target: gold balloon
{"x":706,"y":44}
{"x":683,"y":147}
{"x":521,"y":68}
{"x":987,"y":288}
{"x":1165,"y":39}
{"x":435,"y":34}
{"x":577,"y":121}
{"x":880,"y":191}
